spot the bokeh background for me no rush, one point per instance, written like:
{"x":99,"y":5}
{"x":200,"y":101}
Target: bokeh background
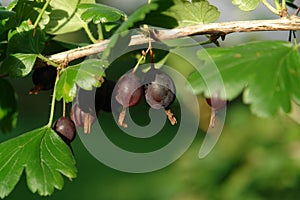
{"x":254,"y":158}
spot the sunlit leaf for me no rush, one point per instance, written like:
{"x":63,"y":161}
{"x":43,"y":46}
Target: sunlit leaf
{"x":100,"y":13}
{"x":246,"y":5}
{"x":200,"y":12}
{"x":86,"y":75}
{"x":65,"y":16}
{"x":43,"y":155}
{"x":267,"y":71}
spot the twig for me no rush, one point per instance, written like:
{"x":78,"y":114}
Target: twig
{"x":222,"y":29}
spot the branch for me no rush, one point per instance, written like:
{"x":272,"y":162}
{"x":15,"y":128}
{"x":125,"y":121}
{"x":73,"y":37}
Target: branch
{"x":222,"y":28}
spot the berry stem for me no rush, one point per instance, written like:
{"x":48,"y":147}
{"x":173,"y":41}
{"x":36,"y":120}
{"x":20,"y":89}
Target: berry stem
{"x":87,"y":123}
{"x":143,"y":57}
{"x":122,"y":117}
{"x":64,"y":108}
{"x":212,"y":118}
{"x":151,"y":55}
{"x":171,"y":117}
{"x":53,"y":101}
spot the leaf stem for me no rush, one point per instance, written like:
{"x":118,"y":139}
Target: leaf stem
{"x":47,"y":60}
{"x":89,"y":33}
{"x":38,"y":19}
{"x":277,"y":4}
{"x":270,"y":7}
{"x":283,"y":5}
{"x":100,"y":32}
{"x":53,"y":100}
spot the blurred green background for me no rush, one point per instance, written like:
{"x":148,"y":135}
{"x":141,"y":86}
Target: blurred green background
{"x":254,"y":158}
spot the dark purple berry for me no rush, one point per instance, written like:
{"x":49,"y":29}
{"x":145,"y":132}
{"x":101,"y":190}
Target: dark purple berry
{"x":43,"y":78}
{"x":128,"y":93}
{"x":216,"y":103}
{"x":65,"y":128}
{"x":159,"y":89}
{"x":129,"y":90}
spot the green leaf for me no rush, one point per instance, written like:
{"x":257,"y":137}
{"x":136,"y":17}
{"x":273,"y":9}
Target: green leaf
{"x":18,"y":65}
{"x":43,"y":155}
{"x":26,"y":41}
{"x":86,"y":75}
{"x":268,"y":71}
{"x":100,"y":13}
{"x":8,"y":106}
{"x":4,"y":14}
{"x":246,"y":5}
{"x":137,"y":16}
{"x":26,"y":10}
{"x":188,"y":14}
{"x":291,"y":4}
{"x":65,"y":16}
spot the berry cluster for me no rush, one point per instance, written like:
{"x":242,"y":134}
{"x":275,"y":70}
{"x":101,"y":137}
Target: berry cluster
{"x":157,"y":87}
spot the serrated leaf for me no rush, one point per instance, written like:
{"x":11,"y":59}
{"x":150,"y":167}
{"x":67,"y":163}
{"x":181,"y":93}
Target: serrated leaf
{"x":246,"y":5}
{"x":23,"y":27}
{"x":100,"y":13}
{"x":268,"y":71}
{"x":43,"y":155}
{"x":26,"y":41}
{"x":8,"y":106}
{"x":86,"y":75}
{"x":195,"y":13}
{"x":138,"y":15}
{"x":18,"y":65}
{"x":65,"y":16}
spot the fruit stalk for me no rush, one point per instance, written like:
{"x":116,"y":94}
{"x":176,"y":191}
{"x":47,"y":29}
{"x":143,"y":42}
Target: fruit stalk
{"x":53,"y":101}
